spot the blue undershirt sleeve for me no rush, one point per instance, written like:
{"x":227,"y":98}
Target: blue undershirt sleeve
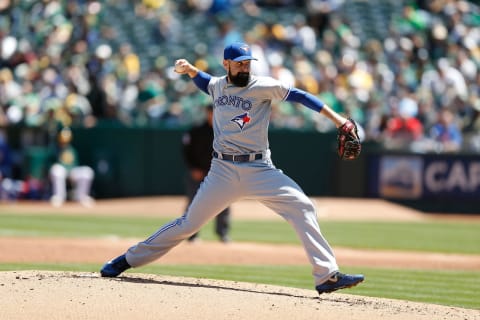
{"x":305,"y":98}
{"x":201,"y":80}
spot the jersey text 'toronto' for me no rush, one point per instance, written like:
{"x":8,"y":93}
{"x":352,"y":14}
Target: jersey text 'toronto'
{"x":234,"y":101}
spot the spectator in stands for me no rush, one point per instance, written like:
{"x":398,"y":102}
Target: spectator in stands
{"x":302,"y":36}
{"x":254,"y":37}
{"x":50,"y":51}
{"x":446,"y":133}
{"x":474,"y":134}
{"x":130,"y":65}
{"x":445,"y":81}
{"x":320,"y":13}
{"x":9,"y":90}
{"x":151,"y":101}
{"x":403,"y":127}
{"x":228,"y":33}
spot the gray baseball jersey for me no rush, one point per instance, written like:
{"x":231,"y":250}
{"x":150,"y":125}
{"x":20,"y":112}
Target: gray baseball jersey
{"x":242,"y":114}
{"x":241,"y":118}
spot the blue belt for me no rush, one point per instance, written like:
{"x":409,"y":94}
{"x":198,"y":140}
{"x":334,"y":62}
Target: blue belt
{"x":238,"y":157}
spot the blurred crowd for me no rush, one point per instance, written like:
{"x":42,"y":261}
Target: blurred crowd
{"x":84,"y":62}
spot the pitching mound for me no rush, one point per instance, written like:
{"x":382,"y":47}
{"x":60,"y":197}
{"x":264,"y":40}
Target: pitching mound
{"x":65,"y":295}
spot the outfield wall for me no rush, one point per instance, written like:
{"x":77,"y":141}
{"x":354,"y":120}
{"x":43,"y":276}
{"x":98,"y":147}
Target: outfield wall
{"x":147,"y":162}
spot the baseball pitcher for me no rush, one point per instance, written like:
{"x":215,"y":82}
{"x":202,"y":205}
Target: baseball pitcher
{"x":241,"y":167}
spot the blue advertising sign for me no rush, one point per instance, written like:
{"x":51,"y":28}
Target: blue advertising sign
{"x":452,"y":177}
{"x":424,"y":176}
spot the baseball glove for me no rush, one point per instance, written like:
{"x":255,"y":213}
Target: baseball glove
{"x":349,"y":145}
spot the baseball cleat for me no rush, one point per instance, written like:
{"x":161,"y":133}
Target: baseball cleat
{"x":340,"y":281}
{"x":114,"y":267}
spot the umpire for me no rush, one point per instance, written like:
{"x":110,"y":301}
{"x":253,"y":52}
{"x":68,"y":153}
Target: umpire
{"x":197,"y":153}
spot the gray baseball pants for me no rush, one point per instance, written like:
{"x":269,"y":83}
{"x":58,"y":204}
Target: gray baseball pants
{"x":228,"y":182}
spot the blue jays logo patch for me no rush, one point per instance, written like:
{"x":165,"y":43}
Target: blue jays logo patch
{"x":241,"y":120}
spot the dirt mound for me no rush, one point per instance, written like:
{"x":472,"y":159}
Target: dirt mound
{"x":36,"y":295}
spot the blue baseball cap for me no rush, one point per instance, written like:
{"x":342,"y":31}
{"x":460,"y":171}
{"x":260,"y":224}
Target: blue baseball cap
{"x":238,"y":51}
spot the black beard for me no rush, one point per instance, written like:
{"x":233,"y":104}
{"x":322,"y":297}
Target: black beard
{"x":240,"y":80}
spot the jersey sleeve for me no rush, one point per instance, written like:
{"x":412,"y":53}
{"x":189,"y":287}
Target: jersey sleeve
{"x":214,"y":84}
{"x":201,"y":80}
{"x":305,"y":98}
{"x":275,"y":89}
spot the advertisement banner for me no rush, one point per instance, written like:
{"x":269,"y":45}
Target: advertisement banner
{"x":400,"y":177}
{"x":424,"y":177}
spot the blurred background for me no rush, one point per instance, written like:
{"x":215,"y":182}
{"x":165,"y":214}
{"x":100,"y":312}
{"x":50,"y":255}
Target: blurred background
{"x":406,"y":71}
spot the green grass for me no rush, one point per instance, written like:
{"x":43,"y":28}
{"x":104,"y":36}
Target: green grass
{"x":76,"y":226}
{"x":451,"y":288}
{"x":454,"y":288}
{"x":445,"y":237}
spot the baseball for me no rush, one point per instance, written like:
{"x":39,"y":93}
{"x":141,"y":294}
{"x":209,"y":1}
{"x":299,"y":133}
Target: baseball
{"x":179,"y":68}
